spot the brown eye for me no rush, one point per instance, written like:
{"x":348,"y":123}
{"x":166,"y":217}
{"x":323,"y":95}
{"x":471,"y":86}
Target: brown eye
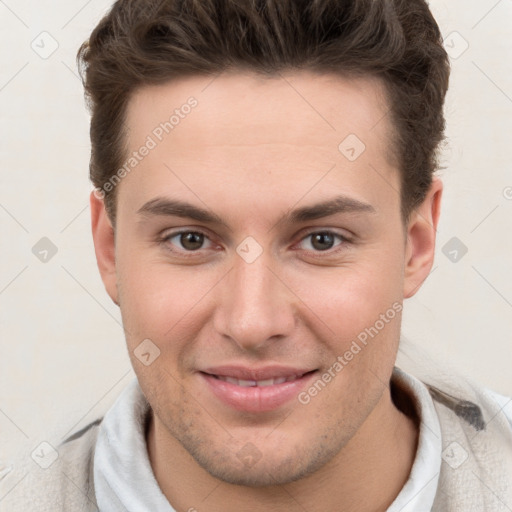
{"x":322,"y":241}
{"x":191,"y":240}
{"x":186,"y":241}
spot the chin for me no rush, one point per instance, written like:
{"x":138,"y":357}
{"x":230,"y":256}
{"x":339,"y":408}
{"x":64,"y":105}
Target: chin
{"x":271,"y":468}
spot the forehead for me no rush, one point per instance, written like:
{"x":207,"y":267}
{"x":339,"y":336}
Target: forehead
{"x":254,"y":131}
{"x":245,"y":108}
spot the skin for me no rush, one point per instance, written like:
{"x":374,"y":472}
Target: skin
{"x":251,"y":151}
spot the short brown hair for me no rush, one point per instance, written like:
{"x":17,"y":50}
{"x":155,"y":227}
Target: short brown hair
{"x":149,"y":42}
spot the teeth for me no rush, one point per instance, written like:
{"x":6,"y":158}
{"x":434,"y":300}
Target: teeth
{"x":247,"y":383}
{"x":268,"y":382}
{"x":258,"y":383}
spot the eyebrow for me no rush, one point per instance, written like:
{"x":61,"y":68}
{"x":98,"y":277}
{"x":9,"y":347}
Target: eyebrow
{"x":161,"y":206}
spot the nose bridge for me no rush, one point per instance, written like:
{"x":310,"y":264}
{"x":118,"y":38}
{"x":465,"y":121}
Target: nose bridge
{"x":255,"y":305}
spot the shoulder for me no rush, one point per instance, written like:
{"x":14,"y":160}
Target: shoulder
{"x":66,"y":484}
{"x":475,"y":406}
{"x":476,"y":431}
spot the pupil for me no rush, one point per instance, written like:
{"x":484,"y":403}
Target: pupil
{"x":323,"y":238}
{"x":192,"y":240}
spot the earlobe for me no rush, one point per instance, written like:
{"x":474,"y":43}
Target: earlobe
{"x":421,"y":239}
{"x":104,"y":245}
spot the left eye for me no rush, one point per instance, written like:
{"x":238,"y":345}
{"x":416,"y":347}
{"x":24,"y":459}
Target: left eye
{"x":322,"y":240}
{"x":189,"y":240}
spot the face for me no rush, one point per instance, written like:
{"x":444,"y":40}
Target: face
{"x":252,"y":248}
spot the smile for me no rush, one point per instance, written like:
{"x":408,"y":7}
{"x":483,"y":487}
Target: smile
{"x":256,"y":391}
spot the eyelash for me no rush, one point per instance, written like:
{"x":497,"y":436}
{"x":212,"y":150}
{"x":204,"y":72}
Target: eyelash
{"x":164,"y":240}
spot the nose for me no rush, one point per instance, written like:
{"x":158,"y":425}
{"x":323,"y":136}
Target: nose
{"x":255,"y":306}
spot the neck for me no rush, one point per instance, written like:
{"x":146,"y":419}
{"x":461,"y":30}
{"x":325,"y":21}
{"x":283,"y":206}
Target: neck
{"x":366,"y":475}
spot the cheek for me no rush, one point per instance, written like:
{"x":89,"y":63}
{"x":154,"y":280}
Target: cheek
{"x":160,"y":301}
{"x":351,"y":298}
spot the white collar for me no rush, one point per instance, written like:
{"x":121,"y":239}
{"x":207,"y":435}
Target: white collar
{"x":419,"y":492}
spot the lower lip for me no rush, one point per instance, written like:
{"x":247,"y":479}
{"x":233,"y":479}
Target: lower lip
{"x":255,"y":398}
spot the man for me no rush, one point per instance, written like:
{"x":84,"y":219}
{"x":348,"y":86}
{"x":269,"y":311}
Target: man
{"x":264,"y":201}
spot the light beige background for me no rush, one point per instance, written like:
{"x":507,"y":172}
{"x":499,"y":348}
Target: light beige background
{"x":63,"y":359}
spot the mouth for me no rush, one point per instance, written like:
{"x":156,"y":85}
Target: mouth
{"x":256,"y":391}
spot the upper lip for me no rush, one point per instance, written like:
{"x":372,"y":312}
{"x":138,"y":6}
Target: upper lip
{"x":262,"y":373}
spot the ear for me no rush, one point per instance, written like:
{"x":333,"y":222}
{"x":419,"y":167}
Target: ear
{"x":421,"y":239}
{"x":104,"y":245}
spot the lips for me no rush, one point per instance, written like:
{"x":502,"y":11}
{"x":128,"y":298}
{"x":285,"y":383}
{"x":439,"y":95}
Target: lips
{"x":256,"y":389}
